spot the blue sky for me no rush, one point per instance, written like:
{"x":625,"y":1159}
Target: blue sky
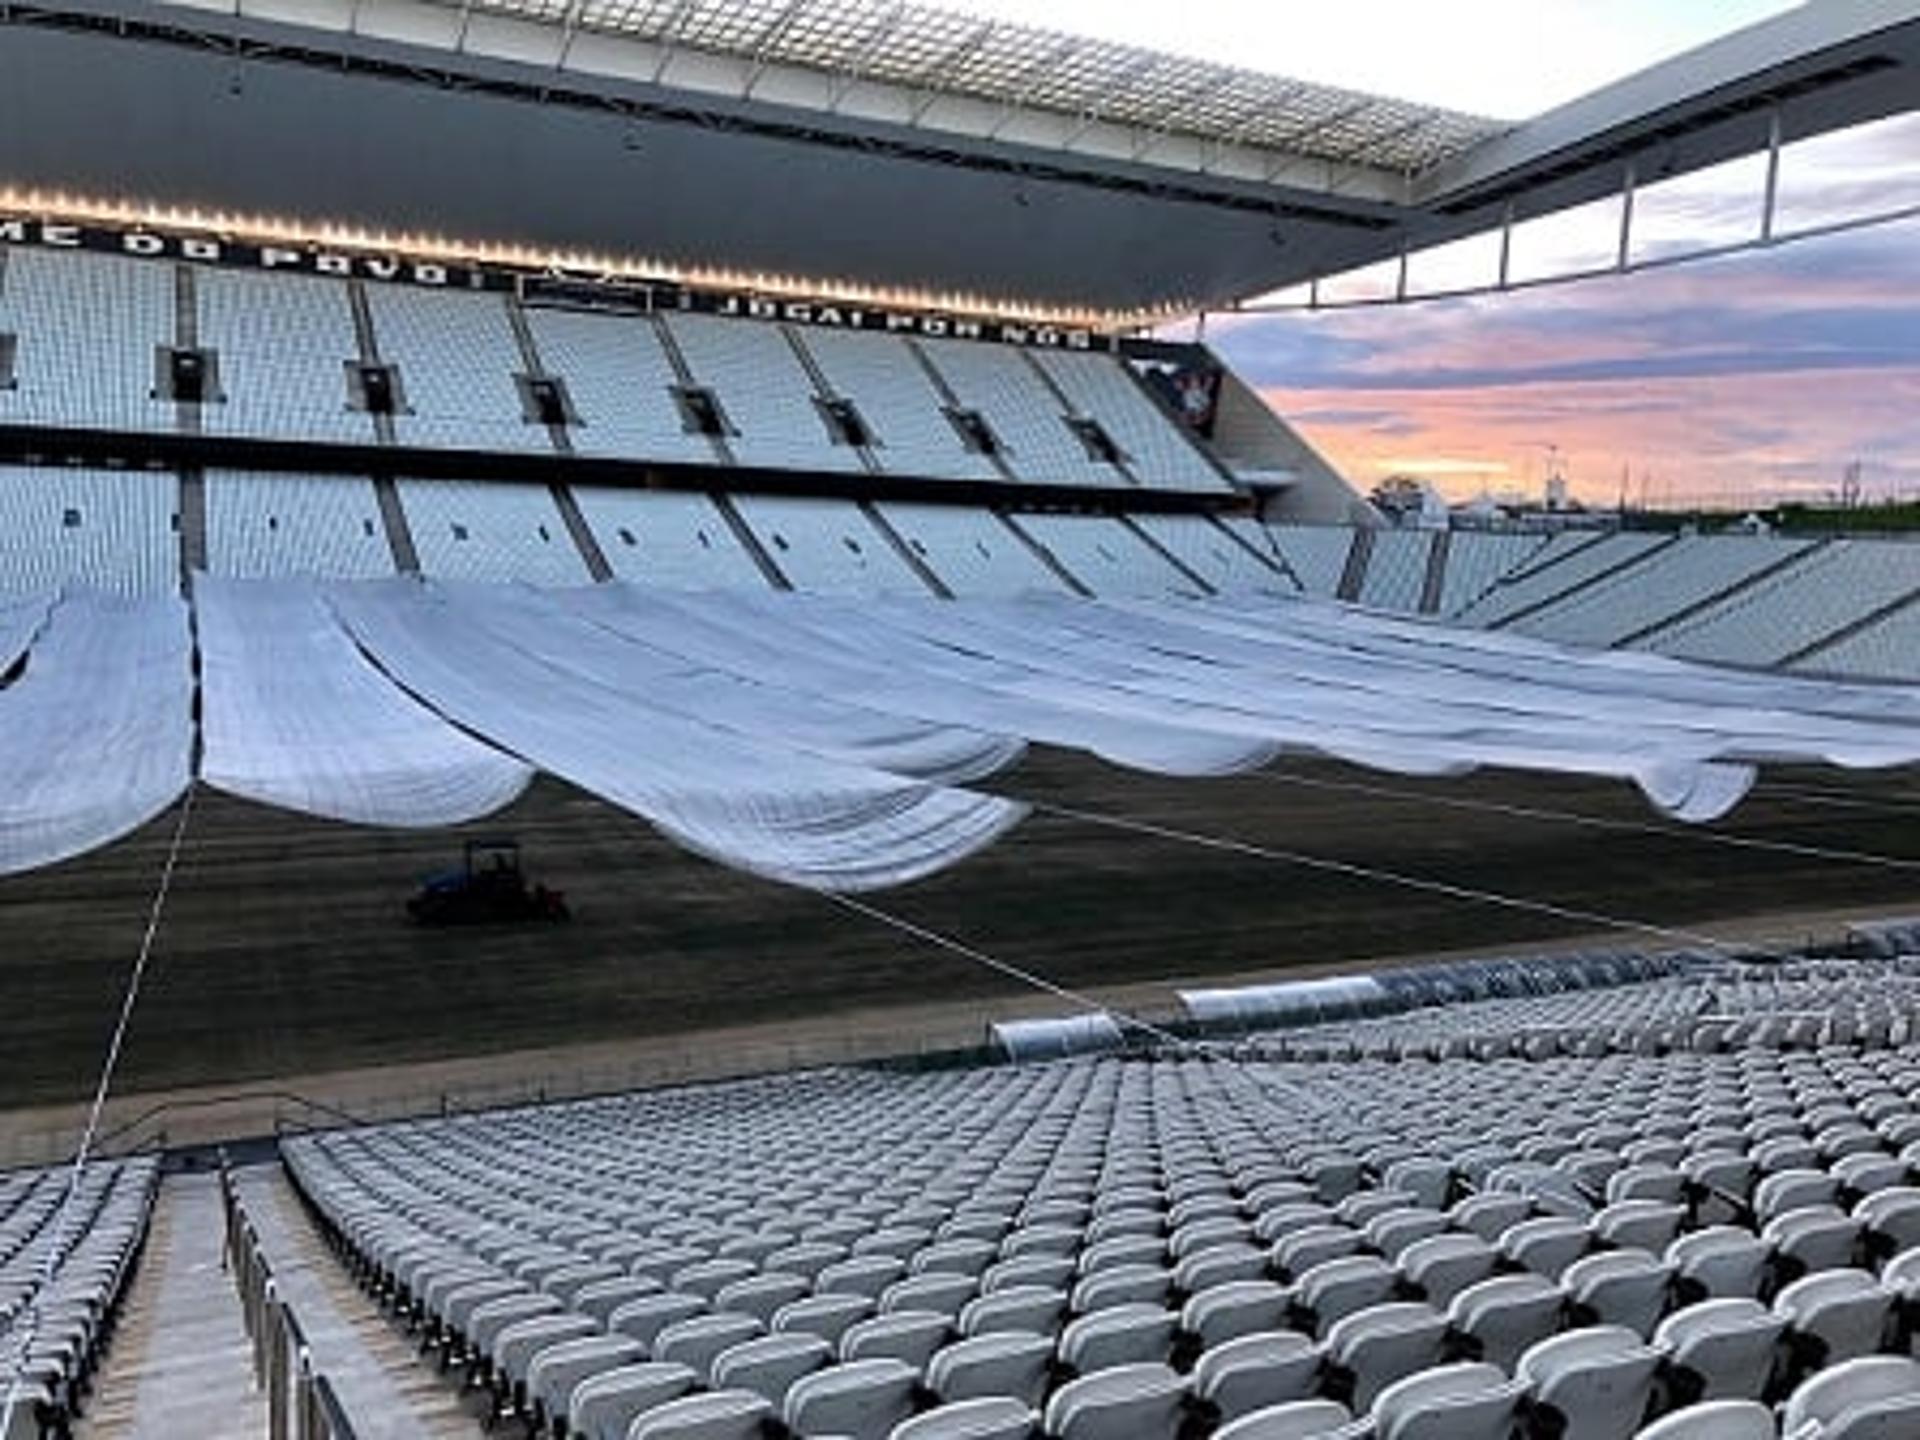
{"x":1736,"y":380}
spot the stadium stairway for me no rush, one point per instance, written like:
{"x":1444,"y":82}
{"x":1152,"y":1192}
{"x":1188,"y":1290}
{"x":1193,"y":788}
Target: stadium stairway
{"x":387,"y":1393}
{"x":180,"y":1364}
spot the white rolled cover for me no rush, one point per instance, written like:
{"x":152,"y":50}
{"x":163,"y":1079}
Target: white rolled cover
{"x":775,"y":810}
{"x":96,"y":735}
{"x":292,"y":714}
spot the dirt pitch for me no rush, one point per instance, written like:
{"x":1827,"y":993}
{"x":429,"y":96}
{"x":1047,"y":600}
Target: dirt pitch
{"x":285,"y":952}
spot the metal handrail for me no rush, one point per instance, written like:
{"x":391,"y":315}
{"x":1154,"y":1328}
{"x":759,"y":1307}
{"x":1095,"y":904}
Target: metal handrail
{"x":301,"y":1402}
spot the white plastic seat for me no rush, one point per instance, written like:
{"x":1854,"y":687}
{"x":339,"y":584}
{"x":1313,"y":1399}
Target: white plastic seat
{"x":1122,"y":1335}
{"x":711,"y":1415}
{"x":1645,"y":1224}
{"x":1129,"y":1402}
{"x":858,"y":1400}
{"x":1598,"y":1381}
{"x":1722,"y":1349}
{"x":1506,"y":1314}
{"x":1253,"y":1372}
{"x":1870,"y":1398}
{"x":1892,"y":1217}
{"x":1449,"y":1402}
{"x":1005,"y":1362}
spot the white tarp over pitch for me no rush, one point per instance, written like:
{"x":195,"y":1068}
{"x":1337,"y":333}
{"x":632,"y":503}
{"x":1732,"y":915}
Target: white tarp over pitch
{"x":823,"y":741}
{"x":96,"y":734}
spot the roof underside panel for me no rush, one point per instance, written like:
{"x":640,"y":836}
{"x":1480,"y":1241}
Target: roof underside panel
{"x":933,"y":51}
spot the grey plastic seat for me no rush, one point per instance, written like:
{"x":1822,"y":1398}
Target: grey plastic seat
{"x":997,"y":1418}
{"x":1620,"y":1287}
{"x":768,"y":1365}
{"x":828,"y":1316}
{"x":1721,"y":1262}
{"x":1836,"y":1315}
{"x":1377,"y":1346}
{"x":1129,"y":1402}
{"x":515,"y":1347}
{"x":1122,"y":1335}
{"x":1254,"y":1372}
{"x":1713,"y":1420}
{"x":1296,"y":1420}
{"x":1003,"y":1363}
{"x":1240,"y":1308}
{"x":557,"y":1370}
{"x":1725,"y":1349}
{"x":1444,"y":1265}
{"x":711,"y":1415}
{"x":1869,"y":1398}
{"x":909,"y":1335}
{"x":645,"y":1318}
{"x":858,"y":1400}
{"x":604,"y":1406}
{"x":1597,"y":1381}
{"x":1506,"y":1314}
{"x":1449,"y":1402}
{"x":695,"y":1341}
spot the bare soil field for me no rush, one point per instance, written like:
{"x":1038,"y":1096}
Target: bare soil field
{"x":286,"y":953}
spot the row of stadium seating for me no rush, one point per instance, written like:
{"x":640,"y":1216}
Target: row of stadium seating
{"x":64,"y":1268}
{"x":119,"y":530}
{"x":1843,"y":606}
{"x":94,"y":339}
{"x":1597,"y":1245}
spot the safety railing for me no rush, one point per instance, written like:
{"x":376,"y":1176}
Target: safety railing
{"x":301,"y":1402}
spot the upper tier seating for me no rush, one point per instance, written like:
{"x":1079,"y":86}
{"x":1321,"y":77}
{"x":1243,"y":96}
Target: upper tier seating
{"x":90,"y":339}
{"x":898,"y":400}
{"x":1699,"y":1202}
{"x":284,"y":343}
{"x":85,"y":332}
{"x":1546,"y":576}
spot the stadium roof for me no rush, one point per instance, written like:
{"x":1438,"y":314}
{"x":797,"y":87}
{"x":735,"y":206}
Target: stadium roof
{"x":858,"y":148}
{"x":940,"y":51}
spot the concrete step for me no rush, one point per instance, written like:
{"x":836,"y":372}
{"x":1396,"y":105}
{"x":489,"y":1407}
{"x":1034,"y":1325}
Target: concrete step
{"x":180,"y":1363}
{"x":388,"y":1391}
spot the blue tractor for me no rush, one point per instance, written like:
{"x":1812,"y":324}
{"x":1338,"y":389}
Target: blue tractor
{"x":489,"y":890}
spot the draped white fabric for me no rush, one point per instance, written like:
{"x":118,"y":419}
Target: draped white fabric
{"x":759,"y":805}
{"x":741,"y":702}
{"x":820,"y":741}
{"x":96,"y":735}
{"x":293,"y":715}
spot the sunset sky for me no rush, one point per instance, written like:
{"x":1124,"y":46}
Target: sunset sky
{"x":1729,"y":381}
